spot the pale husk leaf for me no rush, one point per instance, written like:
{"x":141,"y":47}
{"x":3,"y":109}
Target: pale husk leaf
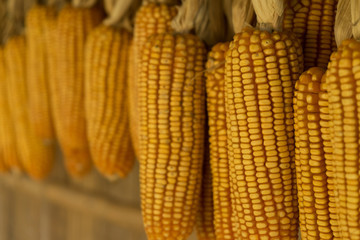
{"x":343,"y":29}
{"x":242,"y":14}
{"x":269,"y":14}
{"x":121,"y":13}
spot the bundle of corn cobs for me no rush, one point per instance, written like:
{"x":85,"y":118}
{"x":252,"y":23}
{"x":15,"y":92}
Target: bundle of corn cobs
{"x":249,"y":140}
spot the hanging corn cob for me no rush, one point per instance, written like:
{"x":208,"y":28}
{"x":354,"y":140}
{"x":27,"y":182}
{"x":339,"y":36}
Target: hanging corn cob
{"x":7,"y":140}
{"x":310,"y":158}
{"x":342,"y":85}
{"x":172,"y":133}
{"x":218,"y":140}
{"x":261,"y":68}
{"x":106,"y":101}
{"x":36,"y":156}
{"x":73,"y":26}
{"x":151,"y":18}
{"x":313,"y":23}
{"x":328,"y":153}
{"x":38,"y":75}
{"x":205,"y":216}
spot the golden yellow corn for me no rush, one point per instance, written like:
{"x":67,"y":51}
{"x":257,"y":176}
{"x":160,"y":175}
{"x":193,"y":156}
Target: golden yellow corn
{"x":150,"y":19}
{"x":38,"y":75}
{"x":205,"y":215}
{"x":8,"y":152}
{"x":215,"y":91}
{"x":260,"y":70}
{"x":328,"y":152}
{"x":74,"y":24}
{"x":343,"y":81}
{"x":36,"y":156}
{"x":313,"y":23}
{"x":310,"y":158}
{"x":172,"y":108}
{"x":106,"y":102}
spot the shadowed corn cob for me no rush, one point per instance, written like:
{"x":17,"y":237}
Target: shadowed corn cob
{"x":106,"y":102}
{"x":260,"y":70}
{"x":215,"y":81}
{"x":172,"y":108}
{"x":343,"y":82}
{"x":313,"y":23}
{"x":150,"y":19}
{"x":38,"y":75}
{"x":205,"y":214}
{"x":310,"y":158}
{"x":328,"y":153}
{"x":36,"y":156}
{"x":74,"y":24}
{"x":9,"y":156}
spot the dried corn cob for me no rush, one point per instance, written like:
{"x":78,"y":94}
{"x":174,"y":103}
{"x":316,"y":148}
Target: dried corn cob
{"x":9,"y":156}
{"x":310,"y":158}
{"x":205,"y":215}
{"x":172,"y":111}
{"x":260,"y":70}
{"x":328,"y":153}
{"x":74,"y":24}
{"x":215,"y":82}
{"x":343,"y":81}
{"x":36,"y":156}
{"x":106,"y":102}
{"x":313,"y":23}
{"x":150,"y":19}
{"x":38,"y":75}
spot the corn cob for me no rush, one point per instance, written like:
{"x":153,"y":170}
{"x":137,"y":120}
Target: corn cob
{"x":37,"y":72}
{"x":260,"y":70}
{"x":313,"y":23}
{"x":74,"y":24}
{"x":205,"y":215}
{"x":343,"y":81}
{"x":310,"y":158}
{"x":150,"y":19}
{"x":172,"y":108}
{"x":328,"y":152}
{"x":215,"y":82}
{"x":9,"y":156}
{"x":106,"y":63}
{"x":36,"y":156}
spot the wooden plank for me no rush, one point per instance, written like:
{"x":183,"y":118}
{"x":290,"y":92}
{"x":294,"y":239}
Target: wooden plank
{"x":92,"y":204}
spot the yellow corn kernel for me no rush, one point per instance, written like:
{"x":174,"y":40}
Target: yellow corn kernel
{"x":150,"y":19}
{"x":205,"y":215}
{"x":342,"y":85}
{"x":172,"y":117}
{"x":73,"y":26}
{"x":328,"y":153}
{"x":215,"y":92}
{"x":36,"y":156}
{"x":310,"y":162}
{"x":37,"y":72}
{"x":313,"y":23}
{"x":106,"y":101}
{"x":260,"y":69}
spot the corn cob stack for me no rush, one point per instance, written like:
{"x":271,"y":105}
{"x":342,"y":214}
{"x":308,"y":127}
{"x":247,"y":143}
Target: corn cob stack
{"x":36,"y":156}
{"x":151,"y":18}
{"x":310,"y":158}
{"x":38,"y":75}
{"x":313,"y":23}
{"x":205,"y":215}
{"x":172,"y":133}
{"x":215,"y":84}
{"x":342,"y":81}
{"x":260,"y":70}
{"x":106,"y":101}
{"x":73,"y":26}
{"x":328,"y":153}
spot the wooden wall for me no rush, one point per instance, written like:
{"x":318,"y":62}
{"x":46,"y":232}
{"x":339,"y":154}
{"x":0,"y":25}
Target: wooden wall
{"x":64,"y":209}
